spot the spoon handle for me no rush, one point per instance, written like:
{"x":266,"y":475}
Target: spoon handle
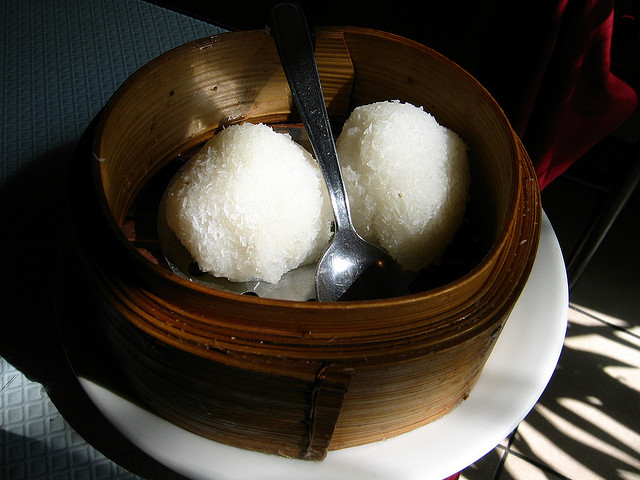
{"x":295,"y":47}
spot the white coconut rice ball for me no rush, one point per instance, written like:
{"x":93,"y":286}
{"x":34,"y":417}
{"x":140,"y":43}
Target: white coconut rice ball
{"x":251,"y":205}
{"x":407,"y":179}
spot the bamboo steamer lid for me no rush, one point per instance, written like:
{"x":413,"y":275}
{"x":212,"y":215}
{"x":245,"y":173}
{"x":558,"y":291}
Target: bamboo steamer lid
{"x":284,"y":377}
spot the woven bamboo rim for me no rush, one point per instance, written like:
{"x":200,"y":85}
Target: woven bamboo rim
{"x":297,"y":378}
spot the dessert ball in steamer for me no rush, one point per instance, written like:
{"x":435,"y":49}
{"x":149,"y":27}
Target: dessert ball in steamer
{"x":407,"y":178}
{"x":251,"y":205}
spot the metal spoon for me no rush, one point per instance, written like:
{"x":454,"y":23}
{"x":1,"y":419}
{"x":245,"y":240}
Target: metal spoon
{"x":351,"y":268}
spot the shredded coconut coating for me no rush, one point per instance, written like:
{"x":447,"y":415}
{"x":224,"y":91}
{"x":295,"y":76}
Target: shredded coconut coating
{"x":407,"y":178}
{"x":251,"y":205}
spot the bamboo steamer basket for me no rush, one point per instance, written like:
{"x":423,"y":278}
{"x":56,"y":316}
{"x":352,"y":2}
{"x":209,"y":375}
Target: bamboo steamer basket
{"x":287,"y":377}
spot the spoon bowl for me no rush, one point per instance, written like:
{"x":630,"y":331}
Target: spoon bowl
{"x":354,"y":269}
{"x":351,"y":268}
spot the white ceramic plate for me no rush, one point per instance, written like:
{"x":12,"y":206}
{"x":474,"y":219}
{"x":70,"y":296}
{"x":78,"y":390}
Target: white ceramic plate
{"x":514,"y":377}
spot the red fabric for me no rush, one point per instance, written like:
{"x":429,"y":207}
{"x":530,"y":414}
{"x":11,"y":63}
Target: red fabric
{"x":579,"y":101}
{"x":546,"y":62}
